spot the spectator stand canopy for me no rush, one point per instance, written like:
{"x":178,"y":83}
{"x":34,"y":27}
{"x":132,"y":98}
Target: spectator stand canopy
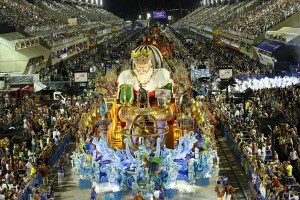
{"x":289,"y":51}
{"x":284,"y":34}
{"x":38,"y":86}
{"x":265,"y":49}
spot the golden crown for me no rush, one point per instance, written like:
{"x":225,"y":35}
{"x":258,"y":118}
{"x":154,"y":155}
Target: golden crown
{"x":141,"y":55}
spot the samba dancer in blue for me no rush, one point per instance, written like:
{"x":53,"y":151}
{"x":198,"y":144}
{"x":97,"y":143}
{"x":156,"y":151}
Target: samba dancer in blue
{"x":93,"y":193}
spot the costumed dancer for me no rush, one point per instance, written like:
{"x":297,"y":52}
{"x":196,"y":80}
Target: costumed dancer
{"x":93,"y":193}
{"x":103,"y":107}
{"x":60,"y":172}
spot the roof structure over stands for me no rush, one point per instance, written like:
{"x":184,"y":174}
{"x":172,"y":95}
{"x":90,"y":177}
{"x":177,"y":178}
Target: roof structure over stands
{"x":268,"y":45}
{"x":289,"y":51}
{"x":290,"y":30}
{"x":33,"y":52}
{"x":11,"y":36}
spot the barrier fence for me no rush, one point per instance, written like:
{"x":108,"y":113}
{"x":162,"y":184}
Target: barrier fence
{"x":59,"y":151}
{"x":256,"y":187}
{"x":26,"y":194}
{"x":243,"y":160}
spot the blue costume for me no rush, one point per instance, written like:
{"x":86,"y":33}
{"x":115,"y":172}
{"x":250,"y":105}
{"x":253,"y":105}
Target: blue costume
{"x":93,"y":194}
{"x":60,"y":168}
{"x":161,"y":195}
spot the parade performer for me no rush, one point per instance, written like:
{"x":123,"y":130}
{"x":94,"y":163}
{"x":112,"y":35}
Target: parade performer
{"x":103,"y":107}
{"x":93,"y":193}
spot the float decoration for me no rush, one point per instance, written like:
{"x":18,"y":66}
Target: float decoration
{"x":149,"y":133}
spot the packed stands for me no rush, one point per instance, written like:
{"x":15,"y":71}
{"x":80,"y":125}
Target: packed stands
{"x":46,"y":131}
{"x":215,"y":16}
{"x":205,"y":50}
{"x":67,"y":11}
{"x":56,"y":39}
{"x":263,"y":17}
{"x":102,"y":15}
{"x":225,"y":13}
{"x":28,"y":17}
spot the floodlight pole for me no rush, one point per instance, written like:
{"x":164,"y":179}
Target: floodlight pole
{"x":180,"y":8}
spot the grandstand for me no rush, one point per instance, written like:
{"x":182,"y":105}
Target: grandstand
{"x":50,"y":31}
{"x":206,"y":20}
{"x":243,"y":24}
{"x":279,"y":46}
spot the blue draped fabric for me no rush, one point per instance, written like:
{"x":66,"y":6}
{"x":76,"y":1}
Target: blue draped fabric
{"x":90,"y":147}
{"x":25,"y":196}
{"x":118,"y":195}
{"x":38,"y":180}
{"x":108,"y":197}
{"x":169,"y":193}
{"x":202,"y":181}
{"x":43,"y":196}
{"x":85,"y":184}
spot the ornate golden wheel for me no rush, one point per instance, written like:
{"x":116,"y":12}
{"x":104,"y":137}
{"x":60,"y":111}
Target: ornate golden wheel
{"x":144,"y":130}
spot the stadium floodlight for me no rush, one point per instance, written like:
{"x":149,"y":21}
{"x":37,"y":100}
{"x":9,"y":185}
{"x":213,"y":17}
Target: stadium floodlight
{"x":140,"y":16}
{"x":148,"y":15}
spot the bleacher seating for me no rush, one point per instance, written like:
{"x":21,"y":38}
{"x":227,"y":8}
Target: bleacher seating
{"x":269,"y":45}
{"x":215,"y":16}
{"x":101,"y":14}
{"x":227,"y":12}
{"x":27,"y":16}
{"x":64,"y":37}
{"x":263,"y":17}
{"x":67,"y":11}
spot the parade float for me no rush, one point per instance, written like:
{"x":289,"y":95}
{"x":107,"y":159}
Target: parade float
{"x":145,"y":132}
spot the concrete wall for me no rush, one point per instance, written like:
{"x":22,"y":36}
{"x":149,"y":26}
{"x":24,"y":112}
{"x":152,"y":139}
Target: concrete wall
{"x":11,"y":60}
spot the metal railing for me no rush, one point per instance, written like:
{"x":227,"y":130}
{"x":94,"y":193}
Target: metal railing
{"x":57,"y":84}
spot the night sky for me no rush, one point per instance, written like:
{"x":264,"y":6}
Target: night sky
{"x":130,"y":9}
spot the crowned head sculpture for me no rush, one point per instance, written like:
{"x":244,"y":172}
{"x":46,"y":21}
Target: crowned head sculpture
{"x":146,"y":70}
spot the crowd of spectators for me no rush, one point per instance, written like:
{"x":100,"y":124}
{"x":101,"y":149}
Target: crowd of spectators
{"x":223,"y":13}
{"x":68,"y":36}
{"x":248,"y":24}
{"x":272,"y":177}
{"x":27,"y":16}
{"x":214,"y":16}
{"x":30,"y":18}
{"x":276,"y":37}
{"x":44,"y":127}
{"x":36,"y":61}
{"x":263,"y":17}
{"x":217,"y":55}
{"x":63,"y":71}
{"x":69,"y":51}
{"x":56,"y":39}
{"x":84,"y":14}
{"x":94,"y":59}
{"x":67,"y":11}
{"x":100,"y":14}
{"x":191,"y":17}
